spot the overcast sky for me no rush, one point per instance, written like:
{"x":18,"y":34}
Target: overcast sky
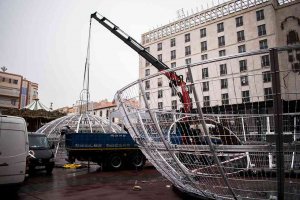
{"x":46,"y":42}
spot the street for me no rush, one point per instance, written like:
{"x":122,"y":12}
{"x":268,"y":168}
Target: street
{"x":96,"y":184}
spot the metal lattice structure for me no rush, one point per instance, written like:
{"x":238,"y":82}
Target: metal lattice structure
{"x":79,"y":123}
{"x":242,"y":139}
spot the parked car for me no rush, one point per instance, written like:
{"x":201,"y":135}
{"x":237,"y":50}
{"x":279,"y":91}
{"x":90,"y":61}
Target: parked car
{"x":13,"y":151}
{"x":42,"y":156}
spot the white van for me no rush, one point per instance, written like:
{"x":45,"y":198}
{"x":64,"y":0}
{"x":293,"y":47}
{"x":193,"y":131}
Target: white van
{"x":13,"y":150}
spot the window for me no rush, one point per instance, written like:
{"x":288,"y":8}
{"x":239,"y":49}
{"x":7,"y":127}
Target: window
{"x":265,"y":61}
{"x":147,"y":85}
{"x":159,"y":82}
{"x":159,"y":94}
{"x":173,"y":91}
{"x":202,"y":32}
{"x":173,"y":54}
{"x":187,"y":37}
{"x":242,"y":48}
{"x":243,"y":65}
{"x":147,"y":63}
{"x":147,"y":72}
{"x":223,"y":69}
{"x":225,"y":99}
{"x":224,"y":83}
{"x":9,"y":80}
{"x":159,"y":57}
{"x":159,"y":46}
{"x":244,"y":80}
{"x":221,"y":41}
{"x":206,"y":102}
{"x":245,"y":96}
{"x":160,"y":105}
{"x":222,"y":53}
{"x":260,"y":15}
{"x":263,"y":44}
{"x":205,"y":73}
{"x":239,"y":21}
{"x":173,"y":42}
{"x":173,"y":64}
{"x":204,"y":46}
{"x":13,"y":102}
{"x":220,"y":27}
{"x":204,"y":57}
{"x":292,"y":37}
{"x":174,"y":105}
{"x":188,"y":77}
{"x":189,"y":88}
{"x":261,"y":30}
{"x":268,"y":93}
{"x":188,"y":50}
{"x":15,"y":82}
{"x":100,"y":113}
{"x":147,"y":94}
{"x":205,"y":86}
{"x":240,"y":36}
{"x":267,"y":76}
{"x":290,"y":56}
{"x":188,"y":61}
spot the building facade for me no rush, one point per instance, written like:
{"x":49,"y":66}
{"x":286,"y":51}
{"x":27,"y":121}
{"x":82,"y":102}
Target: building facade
{"x":227,"y":29}
{"x":16,"y":91}
{"x":105,"y":109}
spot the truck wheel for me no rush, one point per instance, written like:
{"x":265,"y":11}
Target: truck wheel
{"x":49,"y":170}
{"x":137,"y":160}
{"x":115,"y":162}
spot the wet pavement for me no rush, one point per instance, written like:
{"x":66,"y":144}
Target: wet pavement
{"x":96,"y":184}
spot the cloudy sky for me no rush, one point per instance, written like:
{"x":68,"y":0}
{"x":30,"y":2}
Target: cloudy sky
{"x":46,"y":42}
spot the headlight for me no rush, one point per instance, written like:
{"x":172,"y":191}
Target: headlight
{"x":51,"y":160}
{"x":31,"y":153}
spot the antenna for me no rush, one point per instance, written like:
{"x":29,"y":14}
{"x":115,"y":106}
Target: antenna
{"x":4,"y":68}
{"x":51,"y":105}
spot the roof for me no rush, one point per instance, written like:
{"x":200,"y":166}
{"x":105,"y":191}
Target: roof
{"x":36,"y":105}
{"x":104,"y":104}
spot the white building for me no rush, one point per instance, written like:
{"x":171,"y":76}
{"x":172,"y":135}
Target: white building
{"x":230,"y":28}
{"x":104,"y":109}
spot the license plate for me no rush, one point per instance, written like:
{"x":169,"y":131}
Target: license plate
{"x":40,"y":167}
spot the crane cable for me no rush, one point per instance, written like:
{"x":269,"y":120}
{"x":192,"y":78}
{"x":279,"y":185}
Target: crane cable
{"x":86,"y":76}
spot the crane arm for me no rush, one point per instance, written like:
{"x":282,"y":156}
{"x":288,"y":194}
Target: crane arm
{"x":175,"y":79}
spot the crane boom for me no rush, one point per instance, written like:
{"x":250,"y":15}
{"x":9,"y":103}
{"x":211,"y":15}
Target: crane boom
{"x":175,"y":79}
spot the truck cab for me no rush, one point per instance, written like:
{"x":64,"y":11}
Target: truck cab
{"x":42,"y":156}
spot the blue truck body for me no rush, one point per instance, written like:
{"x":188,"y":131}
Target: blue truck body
{"x":109,"y":150}
{"x":96,"y":140}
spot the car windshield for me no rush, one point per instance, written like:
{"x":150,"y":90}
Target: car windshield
{"x":38,"y":142}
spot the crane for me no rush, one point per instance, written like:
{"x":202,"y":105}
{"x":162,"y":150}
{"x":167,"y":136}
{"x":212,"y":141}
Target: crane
{"x":175,"y":80}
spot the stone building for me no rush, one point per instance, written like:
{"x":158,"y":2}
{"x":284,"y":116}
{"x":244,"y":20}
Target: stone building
{"x":227,"y":29}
